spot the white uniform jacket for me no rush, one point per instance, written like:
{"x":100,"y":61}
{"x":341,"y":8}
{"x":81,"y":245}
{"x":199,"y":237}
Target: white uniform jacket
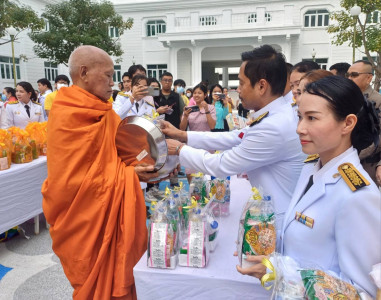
{"x":124,"y":108}
{"x":269,"y":152}
{"x":346,"y":234}
{"x":17,"y":116}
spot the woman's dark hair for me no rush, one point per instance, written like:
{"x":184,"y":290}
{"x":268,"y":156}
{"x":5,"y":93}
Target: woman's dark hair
{"x":10,"y":90}
{"x":203,"y":89}
{"x":211,"y":93}
{"x":266,"y":63}
{"x":46,"y":82}
{"x":150,"y":80}
{"x":344,"y":98}
{"x":29,"y":89}
{"x":137,"y":78}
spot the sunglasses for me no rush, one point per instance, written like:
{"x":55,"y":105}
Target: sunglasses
{"x":355,"y":74}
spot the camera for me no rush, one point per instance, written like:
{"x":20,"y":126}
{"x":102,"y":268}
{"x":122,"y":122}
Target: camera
{"x":194,"y":108}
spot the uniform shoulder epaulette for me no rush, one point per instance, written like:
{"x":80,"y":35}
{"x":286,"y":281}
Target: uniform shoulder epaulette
{"x":35,"y":102}
{"x":13,"y":102}
{"x":149,"y":103}
{"x":123,"y":94}
{"x":312,"y":158}
{"x":259,"y":119}
{"x":352,"y":176}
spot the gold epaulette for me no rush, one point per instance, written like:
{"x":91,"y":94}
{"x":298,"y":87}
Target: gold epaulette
{"x":352,"y":176}
{"x":151,"y":104}
{"x":259,"y":119}
{"x":312,"y":158}
{"x":123,"y":94}
{"x":13,"y":102}
{"x":35,"y":102}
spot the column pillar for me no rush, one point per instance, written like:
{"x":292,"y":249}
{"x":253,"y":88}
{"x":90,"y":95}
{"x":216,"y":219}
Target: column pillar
{"x":287,"y":48}
{"x":172,"y":67}
{"x":225,"y":77}
{"x":196,"y":65}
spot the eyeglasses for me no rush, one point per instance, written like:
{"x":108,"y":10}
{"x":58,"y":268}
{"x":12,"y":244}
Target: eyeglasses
{"x":355,"y":74}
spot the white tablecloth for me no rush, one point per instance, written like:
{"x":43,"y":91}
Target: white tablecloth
{"x":20,"y":192}
{"x":219,"y":280}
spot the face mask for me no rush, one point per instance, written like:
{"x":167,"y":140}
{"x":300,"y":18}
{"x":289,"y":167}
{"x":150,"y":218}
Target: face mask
{"x":180,"y":89}
{"x":60,"y":85}
{"x":189,"y":95}
{"x":3,"y":97}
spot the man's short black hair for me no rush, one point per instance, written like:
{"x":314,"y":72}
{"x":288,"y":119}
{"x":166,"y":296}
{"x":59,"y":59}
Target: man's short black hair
{"x":289,"y":68}
{"x":126,"y":74}
{"x":62,"y":77}
{"x":305,"y":66}
{"x":132,"y":70}
{"x":341,"y":68}
{"x":179,"y":82}
{"x":46,"y":82}
{"x":266,"y":63}
{"x":166,"y":74}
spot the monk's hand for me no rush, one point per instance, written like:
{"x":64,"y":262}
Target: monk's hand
{"x":257,"y":270}
{"x":145,"y":172}
{"x":171,"y":131}
{"x":174,"y":147}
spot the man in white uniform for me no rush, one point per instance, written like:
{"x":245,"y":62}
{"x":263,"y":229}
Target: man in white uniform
{"x":269,"y":151}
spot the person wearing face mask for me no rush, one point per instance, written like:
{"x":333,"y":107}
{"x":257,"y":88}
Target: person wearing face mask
{"x":179,"y":87}
{"x":60,"y":81}
{"x":25,"y":109}
{"x":189,"y":94}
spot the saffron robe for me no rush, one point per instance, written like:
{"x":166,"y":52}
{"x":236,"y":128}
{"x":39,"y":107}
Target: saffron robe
{"x":91,"y":199}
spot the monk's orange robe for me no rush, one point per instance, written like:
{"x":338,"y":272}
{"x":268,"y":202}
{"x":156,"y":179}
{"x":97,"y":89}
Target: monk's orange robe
{"x":91,"y":199}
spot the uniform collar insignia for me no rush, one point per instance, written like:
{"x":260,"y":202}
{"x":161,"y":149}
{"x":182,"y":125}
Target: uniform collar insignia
{"x":293,"y":102}
{"x":312,"y":158}
{"x":259,"y":119}
{"x":352,"y":177}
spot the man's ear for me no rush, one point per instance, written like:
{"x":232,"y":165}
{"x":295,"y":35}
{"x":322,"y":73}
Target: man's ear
{"x":262,"y":86}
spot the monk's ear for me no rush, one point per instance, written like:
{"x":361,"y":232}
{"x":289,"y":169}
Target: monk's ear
{"x":83,"y":72}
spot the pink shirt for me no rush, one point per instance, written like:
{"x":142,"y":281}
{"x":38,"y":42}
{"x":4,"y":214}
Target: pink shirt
{"x":197,"y":120}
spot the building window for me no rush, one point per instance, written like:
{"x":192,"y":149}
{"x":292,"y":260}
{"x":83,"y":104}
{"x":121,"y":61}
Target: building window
{"x":252,"y":18}
{"x":322,"y":62}
{"x":155,"y":71}
{"x":316,"y":18}
{"x":267,"y":17}
{"x":113,"y":32}
{"x":51,"y":70}
{"x":374,"y":17}
{"x":208,"y":21}
{"x":156,"y":27}
{"x":117,"y":77}
{"x":6,"y":67}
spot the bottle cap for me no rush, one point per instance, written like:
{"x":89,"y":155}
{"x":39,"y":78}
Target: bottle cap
{"x":214,"y":224}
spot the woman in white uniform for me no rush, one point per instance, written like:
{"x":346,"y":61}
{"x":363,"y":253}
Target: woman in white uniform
{"x":333,"y":222}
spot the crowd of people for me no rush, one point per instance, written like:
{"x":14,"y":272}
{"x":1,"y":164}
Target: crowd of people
{"x":95,"y":205}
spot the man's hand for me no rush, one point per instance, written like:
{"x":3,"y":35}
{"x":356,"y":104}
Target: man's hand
{"x":172,"y":146}
{"x":257,"y":270}
{"x":162,"y":109}
{"x":145,"y":173}
{"x":378,"y":175}
{"x":171,"y":131}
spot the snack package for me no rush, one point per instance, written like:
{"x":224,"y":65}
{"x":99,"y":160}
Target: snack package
{"x":230,"y":121}
{"x":22,"y":151}
{"x":163,"y":237}
{"x":220,"y":193}
{"x":257,"y":232}
{"x":197,"y":188}
{"x":212,"y":224}
{"x":294,"y":283}
{"x":37,"y":134}
{"x":194,"y":248}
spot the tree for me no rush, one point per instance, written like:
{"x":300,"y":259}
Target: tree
{"x":78,"y":22}
{"x":368,"y":30}
{"x":19,"y":16}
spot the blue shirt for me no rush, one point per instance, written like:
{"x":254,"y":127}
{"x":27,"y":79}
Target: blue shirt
{"x":221,"y":113}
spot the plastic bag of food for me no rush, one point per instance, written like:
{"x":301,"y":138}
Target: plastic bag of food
{"x":220,"y":193}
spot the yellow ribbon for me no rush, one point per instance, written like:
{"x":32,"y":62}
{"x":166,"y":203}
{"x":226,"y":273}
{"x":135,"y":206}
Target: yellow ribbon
{"x":269,"y":276}
{"x":167,"y":191}
{"x":153,"y":205}
{"x":256,"y":195}
{"x":155,"y":114}
{"x":199,"y":174}
{"x":193,"y":203}
{"x":179,"y":188}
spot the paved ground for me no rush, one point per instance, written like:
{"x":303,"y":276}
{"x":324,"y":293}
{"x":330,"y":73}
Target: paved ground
{"x":36,"y":272}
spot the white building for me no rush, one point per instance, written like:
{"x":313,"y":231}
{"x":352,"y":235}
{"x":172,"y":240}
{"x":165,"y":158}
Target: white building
{"x":202,"y":40}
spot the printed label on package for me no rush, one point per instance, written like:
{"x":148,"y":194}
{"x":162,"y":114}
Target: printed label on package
{"x":196,"y":237}
{"x":158,"y":245}
{"x":3,"y":163}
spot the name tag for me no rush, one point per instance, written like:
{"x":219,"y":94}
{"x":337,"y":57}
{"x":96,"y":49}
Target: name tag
{"x":304,"y":219}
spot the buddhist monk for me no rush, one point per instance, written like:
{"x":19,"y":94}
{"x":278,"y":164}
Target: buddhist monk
{"x":91,"y":199}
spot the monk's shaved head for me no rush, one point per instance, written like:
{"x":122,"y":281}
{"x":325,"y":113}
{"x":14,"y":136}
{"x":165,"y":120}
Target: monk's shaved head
{"x":92,"y":69}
